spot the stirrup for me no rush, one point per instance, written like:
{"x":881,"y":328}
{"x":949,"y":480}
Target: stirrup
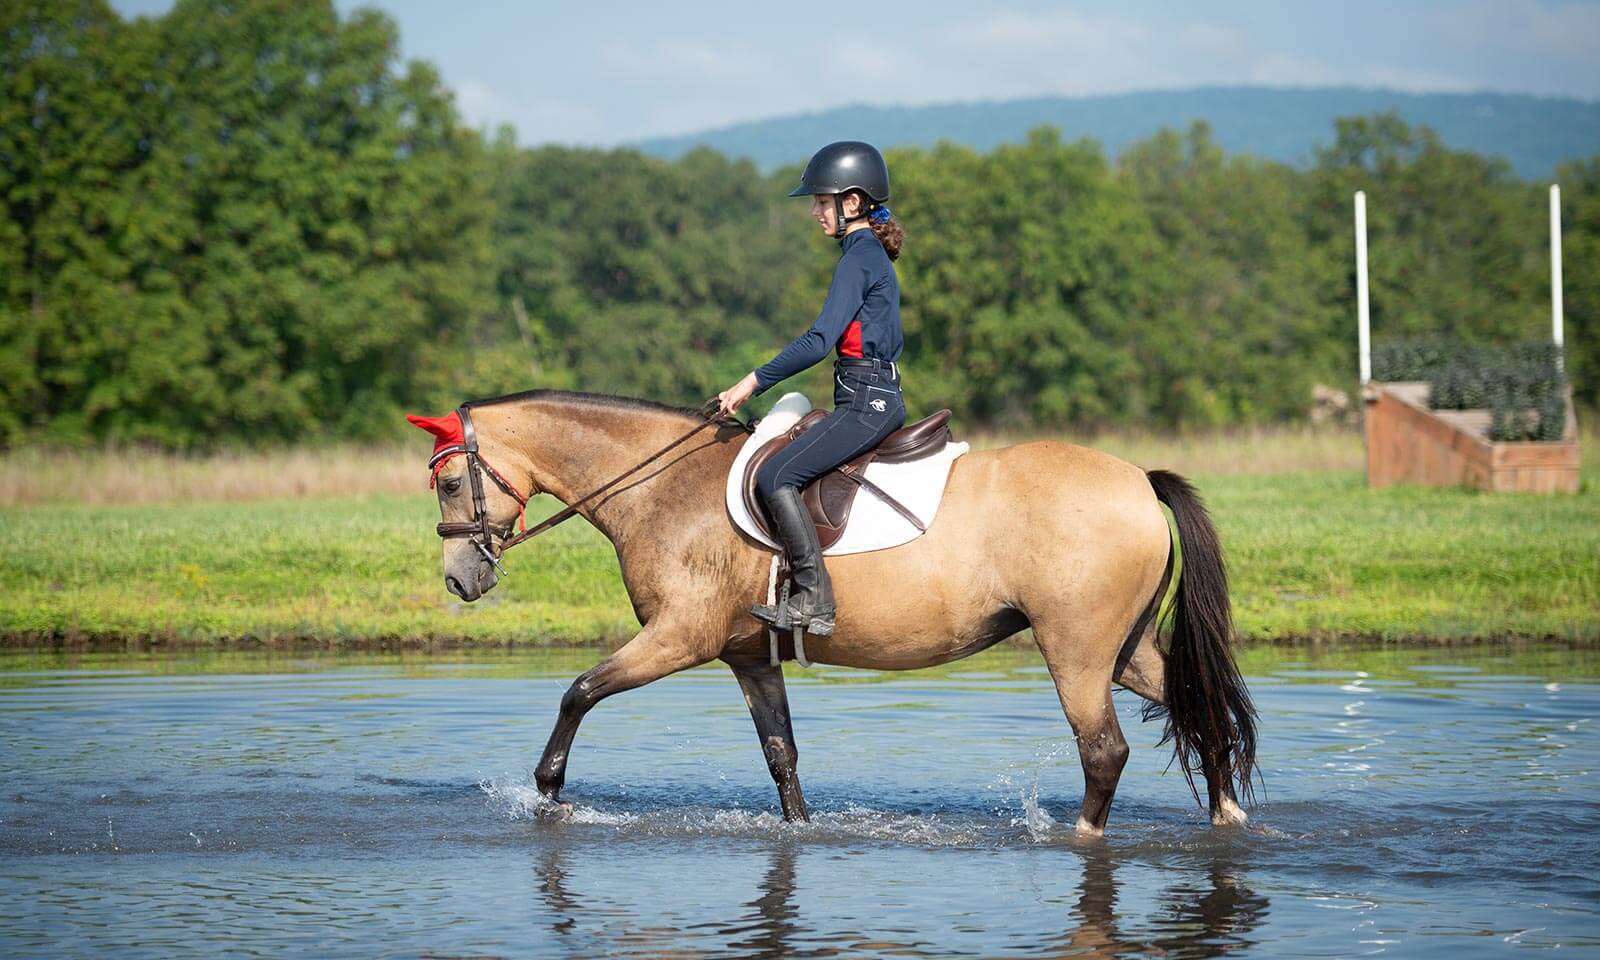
{"x":775,"y":615}
{"x":783,"y":617}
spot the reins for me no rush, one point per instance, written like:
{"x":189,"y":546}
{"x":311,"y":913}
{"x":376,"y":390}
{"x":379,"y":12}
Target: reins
{"x":478,"y":528}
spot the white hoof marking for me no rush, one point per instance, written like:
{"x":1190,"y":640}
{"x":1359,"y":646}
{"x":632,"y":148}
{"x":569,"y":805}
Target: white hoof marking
{"x":1228,"y":813}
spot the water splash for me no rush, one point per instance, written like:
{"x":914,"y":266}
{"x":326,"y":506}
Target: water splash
{"x":518,"y":798}
{"x":1035,"y":817}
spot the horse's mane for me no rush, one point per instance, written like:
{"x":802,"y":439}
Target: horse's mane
{"x":612,"y":401}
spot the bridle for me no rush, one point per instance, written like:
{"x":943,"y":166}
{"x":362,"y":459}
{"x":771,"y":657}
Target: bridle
{"x":479,"y":530}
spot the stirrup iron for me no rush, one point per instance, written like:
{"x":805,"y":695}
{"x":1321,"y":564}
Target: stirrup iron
{"x":775,"y":614}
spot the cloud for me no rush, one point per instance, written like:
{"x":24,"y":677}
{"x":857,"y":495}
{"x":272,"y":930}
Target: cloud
{"x":1282,"y":69}
{"x":1418,"y":80}
{"x":482,"y":106}
{"x":1570,"y":31}
{"x":1054,"y":32}
{"x":1216,"y":40}
{"x":1013,"y":54}
{"x":681,"y":62}
{"x":1419,"y":47}
{"x":1559,"y":29}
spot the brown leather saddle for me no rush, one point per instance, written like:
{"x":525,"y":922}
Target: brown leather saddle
{"x":830,"y":496}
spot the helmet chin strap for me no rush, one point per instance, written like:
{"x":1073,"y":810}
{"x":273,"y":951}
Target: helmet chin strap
{"x":843,"y":222}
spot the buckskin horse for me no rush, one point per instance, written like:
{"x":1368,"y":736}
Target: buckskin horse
{"x":1061,"y":538}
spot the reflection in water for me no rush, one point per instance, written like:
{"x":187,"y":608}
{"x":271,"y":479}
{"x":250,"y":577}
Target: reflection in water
{"x":553,"y":889}
{"x":775,"y":908}
{"x":1214,"y":920}
{"x":1193,"y":919}
{"x":1095,"y":931}
{"x":769,"y":926}
{"x":1209,"y":918}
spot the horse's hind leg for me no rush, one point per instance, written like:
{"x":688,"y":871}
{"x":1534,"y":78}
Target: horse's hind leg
{"x":1142,"y":668}
{"x":1083,"y":683}
{"x":1101,"y":748}
{"x":768,"y":701}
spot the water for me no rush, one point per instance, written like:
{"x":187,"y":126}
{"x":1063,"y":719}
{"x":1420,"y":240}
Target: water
{"x":1421,"y":804}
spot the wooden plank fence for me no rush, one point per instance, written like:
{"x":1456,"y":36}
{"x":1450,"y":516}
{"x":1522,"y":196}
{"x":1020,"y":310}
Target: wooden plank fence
{"x":1409,"y":443}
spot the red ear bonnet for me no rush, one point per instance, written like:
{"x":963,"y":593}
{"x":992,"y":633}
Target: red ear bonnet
{"x":446,"y":432}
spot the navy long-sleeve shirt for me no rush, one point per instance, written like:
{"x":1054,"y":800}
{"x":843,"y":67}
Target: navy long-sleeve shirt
{"x":861,"y":316}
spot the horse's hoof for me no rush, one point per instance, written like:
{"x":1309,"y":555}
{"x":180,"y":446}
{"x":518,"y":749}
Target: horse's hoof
{"x":556,"y":810}
{"x":1228,"y":814}
{"x":1088,"y":831}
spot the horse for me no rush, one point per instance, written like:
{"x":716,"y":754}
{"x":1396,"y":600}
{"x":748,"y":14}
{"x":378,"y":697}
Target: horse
{"x":1063,"y":539}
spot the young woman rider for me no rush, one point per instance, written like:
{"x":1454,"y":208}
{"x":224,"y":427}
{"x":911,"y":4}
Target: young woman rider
{"x":848,"y":182}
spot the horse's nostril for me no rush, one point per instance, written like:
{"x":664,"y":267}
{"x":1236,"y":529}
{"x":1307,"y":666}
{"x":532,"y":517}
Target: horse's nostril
{"x":454,"y":586}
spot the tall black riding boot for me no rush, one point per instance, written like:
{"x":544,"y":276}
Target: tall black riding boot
{"x":811,"y":597}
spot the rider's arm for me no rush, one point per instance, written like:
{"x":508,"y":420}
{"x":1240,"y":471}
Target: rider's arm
{"x":845,"y":296}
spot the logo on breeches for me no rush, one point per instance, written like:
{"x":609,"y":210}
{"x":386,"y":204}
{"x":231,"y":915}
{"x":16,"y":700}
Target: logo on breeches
{"x":878,"y":405}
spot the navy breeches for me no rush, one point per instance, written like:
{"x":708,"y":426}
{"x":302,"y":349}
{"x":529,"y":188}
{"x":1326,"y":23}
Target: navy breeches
{"x":867,"y":406}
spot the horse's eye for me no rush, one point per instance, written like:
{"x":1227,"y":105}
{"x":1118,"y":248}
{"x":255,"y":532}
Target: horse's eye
{"x":452,"y":486}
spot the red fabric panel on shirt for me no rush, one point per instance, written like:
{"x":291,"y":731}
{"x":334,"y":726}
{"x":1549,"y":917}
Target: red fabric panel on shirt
{"x":850,"y":343}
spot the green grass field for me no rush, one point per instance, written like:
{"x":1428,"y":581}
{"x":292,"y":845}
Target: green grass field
{"x":1313,"y":556}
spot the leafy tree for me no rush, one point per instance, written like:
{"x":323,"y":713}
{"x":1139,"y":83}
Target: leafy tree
{"x":240,"y":220}
{"x":645,"y":276}
{"x":1453,"y":238}
{"x":1236,"y":332}
{"x":1580,"y":255}
{"x":66,"y":133}
{"x":1016,"y":293}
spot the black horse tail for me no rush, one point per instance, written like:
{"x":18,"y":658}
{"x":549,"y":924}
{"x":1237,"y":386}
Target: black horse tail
{"x":1210,"y":719}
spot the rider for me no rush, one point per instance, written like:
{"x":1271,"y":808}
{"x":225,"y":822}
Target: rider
{"x":848,"y":182}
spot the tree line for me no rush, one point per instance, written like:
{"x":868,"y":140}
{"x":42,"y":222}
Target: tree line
{"x":251,"y":221}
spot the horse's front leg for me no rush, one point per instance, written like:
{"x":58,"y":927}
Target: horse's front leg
{"x":768,"y":701}
{"x":654,"y":653}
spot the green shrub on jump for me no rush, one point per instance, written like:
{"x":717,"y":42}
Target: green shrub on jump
{"x":1521,"y":384}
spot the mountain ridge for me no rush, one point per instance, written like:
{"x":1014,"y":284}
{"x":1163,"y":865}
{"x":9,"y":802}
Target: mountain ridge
{"x":1534,"y":133}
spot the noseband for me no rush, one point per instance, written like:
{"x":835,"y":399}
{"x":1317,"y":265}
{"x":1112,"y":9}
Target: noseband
{"x":478,"y":529}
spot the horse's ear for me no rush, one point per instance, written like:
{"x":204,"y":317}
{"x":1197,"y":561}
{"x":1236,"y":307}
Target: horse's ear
{"x":447,"y":428}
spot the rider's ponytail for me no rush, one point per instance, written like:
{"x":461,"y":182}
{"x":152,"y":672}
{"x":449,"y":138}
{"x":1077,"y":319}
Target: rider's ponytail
{"x":888,"y":229}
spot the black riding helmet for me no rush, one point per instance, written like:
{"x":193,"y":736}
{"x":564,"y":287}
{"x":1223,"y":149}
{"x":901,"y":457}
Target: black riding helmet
{"x":842,"y":166}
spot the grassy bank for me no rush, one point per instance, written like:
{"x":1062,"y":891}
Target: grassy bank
{"x":1313,"y":555}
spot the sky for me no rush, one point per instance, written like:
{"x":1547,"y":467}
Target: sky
{"x":604,"y":72}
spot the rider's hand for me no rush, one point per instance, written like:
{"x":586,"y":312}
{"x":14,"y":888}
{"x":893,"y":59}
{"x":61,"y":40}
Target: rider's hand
{"x":737,"y":394}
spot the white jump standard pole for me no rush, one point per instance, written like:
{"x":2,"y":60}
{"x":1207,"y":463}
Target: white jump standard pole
{"x":1555,"y":270}
{"x":1363,"y":315}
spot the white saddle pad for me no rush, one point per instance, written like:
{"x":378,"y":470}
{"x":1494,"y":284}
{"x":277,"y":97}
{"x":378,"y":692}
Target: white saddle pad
{"x":874,"y":525}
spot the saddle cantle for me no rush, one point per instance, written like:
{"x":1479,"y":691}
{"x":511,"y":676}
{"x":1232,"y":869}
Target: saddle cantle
{"x":830,"y":496}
